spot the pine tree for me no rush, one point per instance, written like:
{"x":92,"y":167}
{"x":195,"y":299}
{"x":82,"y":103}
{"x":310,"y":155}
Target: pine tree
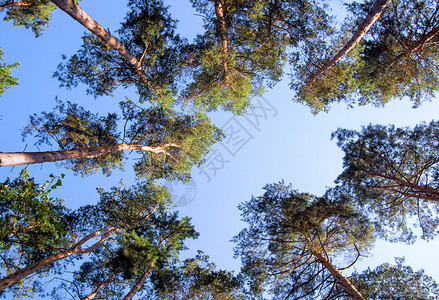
{"x":393,"y":174}
{"x":294,"y":241}
{"x":90,"y":227}
{"x":169,"y":143}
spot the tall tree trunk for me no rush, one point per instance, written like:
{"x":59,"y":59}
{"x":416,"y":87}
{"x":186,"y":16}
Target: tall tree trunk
{"x":339,"y":278}
{"x":223,"y":36}
{"x":100,"y":286}
{"x":75,"y":11}
{"x":74,"y":249}
{"x":415,"y":47}
{"x":24,"y":158}
{"x":139,"y":283}
{"x":373,"y":15}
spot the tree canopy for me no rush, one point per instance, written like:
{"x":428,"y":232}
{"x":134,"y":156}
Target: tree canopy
{"x":392,"y":173}
{"x":296,"y":245}
{"x":293,"y":241}
{"x":196,"y":278}
{"x":169,"y":143}
{"x":245,"y":47}
{"x":33,"y":14}
{"x":395,"y":282}
{"x":396,"y":58}
{"x":122,"y":268}
{"x":33,"y":225}
{"x":65,"y":233}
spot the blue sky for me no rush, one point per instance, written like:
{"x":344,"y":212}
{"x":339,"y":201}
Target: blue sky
{"x":288,"y":143}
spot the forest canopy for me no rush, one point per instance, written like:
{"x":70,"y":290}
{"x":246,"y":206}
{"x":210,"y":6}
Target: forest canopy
{"x":138,"y":106}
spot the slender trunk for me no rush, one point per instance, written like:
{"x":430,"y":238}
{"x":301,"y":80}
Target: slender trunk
{"x":76,"y":12}
{"x":338,"y":277}
{"x":42,"y":264}
{"x":100,"y":286}
{"x":223,"y":36}
{"x":24,"y":158}
{"x":139,"y":283}
{"x":373,"y":15}
{"x":415,"y":47}
{"x":12,"y":4}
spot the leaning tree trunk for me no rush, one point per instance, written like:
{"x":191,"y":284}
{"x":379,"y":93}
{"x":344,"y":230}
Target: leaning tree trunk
{"x":338,"y":277}
{"x":76,"y":12}
{"x":24,"y":158}
{"x":139,"y":283}
{"x":99,"y":287}
{"x":42,"y":264}
{"x":373,"y":15}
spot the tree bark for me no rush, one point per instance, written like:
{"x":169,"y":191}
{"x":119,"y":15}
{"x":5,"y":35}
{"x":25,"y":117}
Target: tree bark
{"x":24,"y":158}
{"x":415,"y":47}
{"x":100,"y":286}
{"x":373,"y":15}
{"x":339,"y":278}
{"x":76,"y":12}
{"x":223,"y":36}
{"x":138,"y":284}
{"x":74,"y":249}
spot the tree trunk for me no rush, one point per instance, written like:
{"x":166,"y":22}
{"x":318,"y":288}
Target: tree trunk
{"x":100,"y":286}
{"x":75,"y":11}
{"x":42,"y":264}
{"x":415,"y":47}
{"x":24,"y":158}
{"x":373,"y":15}
{"x":223,"y":36}
{"x":139,"y":283}
{"x":339,"y":278}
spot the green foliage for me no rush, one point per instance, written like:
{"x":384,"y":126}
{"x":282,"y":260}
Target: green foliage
{"x":148,"y":34}
{"x":285,"y":230}
{"x":185,"y":138}
{"x":392,"y":173}
{"x":385,"y":74}
{"x":121,"y":212}
{"x":35,"y":14}
{"x":392,"y":60}
{"x":395,"y":282}
{"x":195,"y":278}
{"x":6,"y":80}
{"x":338,"y":84}
{"x":32,"y":225}
{"x":71,"y":127}
{"x":260,"y":37}
{"x":153,"y":244}
{"x":141,"y":247}
{"x":122,"y":207}
{"x":31,"y":219}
